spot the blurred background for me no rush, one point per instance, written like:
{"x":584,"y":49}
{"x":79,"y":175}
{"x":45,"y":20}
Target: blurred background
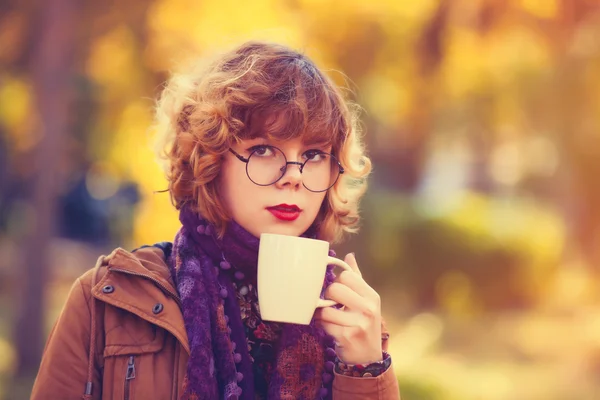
{"x":482,"y":223}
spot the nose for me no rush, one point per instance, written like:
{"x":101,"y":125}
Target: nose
{"x":291,"y":178}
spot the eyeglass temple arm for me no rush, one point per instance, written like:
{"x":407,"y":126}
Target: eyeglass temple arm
{"x":240,"y":157}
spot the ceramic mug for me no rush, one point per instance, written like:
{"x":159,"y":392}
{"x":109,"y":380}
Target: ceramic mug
{"x":291,"y":272}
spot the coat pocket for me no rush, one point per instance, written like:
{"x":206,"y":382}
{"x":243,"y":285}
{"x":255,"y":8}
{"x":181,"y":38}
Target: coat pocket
{"x":132,"y":354}
{"x":132,"y":335}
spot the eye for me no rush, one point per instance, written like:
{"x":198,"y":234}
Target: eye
{"x":315,"y":155}
{"x":262,"y":150}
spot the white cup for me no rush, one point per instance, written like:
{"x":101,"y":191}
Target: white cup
{"x":291,"y":272}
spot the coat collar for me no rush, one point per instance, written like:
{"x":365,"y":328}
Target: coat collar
{"x":139,"y":282}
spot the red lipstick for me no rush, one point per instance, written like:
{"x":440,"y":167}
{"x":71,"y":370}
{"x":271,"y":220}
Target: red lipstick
{"x":285,"y":212}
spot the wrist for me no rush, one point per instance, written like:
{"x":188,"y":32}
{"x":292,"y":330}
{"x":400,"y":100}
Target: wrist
{"x":368,"y":370}
{"x":362,"y":360}
{"x":358,"y":356}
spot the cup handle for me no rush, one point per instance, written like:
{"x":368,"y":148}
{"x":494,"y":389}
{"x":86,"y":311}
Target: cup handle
{"x":335,"y":261}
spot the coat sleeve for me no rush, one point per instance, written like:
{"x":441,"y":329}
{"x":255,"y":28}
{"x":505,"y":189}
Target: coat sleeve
{"x":383,"y":387}
{"x":63,"y":372}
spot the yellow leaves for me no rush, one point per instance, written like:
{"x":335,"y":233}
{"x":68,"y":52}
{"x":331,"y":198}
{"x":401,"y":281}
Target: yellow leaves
{"x":180,"y":27}
{"x":111,"y":61}
{"x":540,"y":8}
{"x":498,"y":63}
{"x":17,"y":113}
{"x":239,"y":20}
{"x":113,"y":65}
{"x":573,"y":286}
{"x":463,"y":69}
{"x":494,"y":65}
{"x":156,"y":219}
{"x":414,"y":11}
{"x":132,"y":151}
{"x":455,"y":294}
{"x":7,"y":361}
{"x":520,"y":225}
{"x":387,"y":99}
{"x":515,"y":50}
{"x":417,"y":12}
{"x":131,"y":137}
{"x":469,"y":216}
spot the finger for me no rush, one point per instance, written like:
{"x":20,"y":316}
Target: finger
{"x":357,"y":284}
{"x":342,"y":294}
{"x":350,"y":259}
{"x":337,"y":317}
{"x":331,"y":328}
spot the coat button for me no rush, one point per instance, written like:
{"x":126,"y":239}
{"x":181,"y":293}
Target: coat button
{"x":157,"y":309}
{"x":108,"y":289}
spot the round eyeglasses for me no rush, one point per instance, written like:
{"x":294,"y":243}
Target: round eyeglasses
{"x":267,"y":164}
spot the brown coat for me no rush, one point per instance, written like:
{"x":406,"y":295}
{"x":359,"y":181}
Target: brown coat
{"x":127,"y":308}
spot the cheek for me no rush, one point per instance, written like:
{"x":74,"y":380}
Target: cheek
{"x":228,"y":187}
{"x":237,"y":190}
{"x":316,"y":204}
{"x":321,"y":200}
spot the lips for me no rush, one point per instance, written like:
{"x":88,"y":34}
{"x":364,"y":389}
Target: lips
{"x":285,"y":212}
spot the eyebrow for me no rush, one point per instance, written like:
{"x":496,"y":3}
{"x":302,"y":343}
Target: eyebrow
{"x":321,"y":142}
{"x":324,"y":142}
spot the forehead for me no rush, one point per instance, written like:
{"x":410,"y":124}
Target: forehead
{"x":283,"y":143}
{"x":281,"y":127}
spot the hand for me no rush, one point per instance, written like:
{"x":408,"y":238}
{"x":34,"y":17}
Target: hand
{"x":356,"y":327}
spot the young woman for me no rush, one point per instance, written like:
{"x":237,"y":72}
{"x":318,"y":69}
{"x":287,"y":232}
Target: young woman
{"x":260,"y":141}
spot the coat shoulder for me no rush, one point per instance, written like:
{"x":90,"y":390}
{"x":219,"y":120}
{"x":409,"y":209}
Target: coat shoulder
{"x":150,"y":258}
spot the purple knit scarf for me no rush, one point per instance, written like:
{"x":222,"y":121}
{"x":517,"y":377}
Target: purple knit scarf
{"x":219,"y":366}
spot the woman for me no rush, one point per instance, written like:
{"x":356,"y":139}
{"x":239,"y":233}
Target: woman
{"x":260,"y":141}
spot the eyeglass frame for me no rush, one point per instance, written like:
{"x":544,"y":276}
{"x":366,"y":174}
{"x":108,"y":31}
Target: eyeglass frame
{"x":284,"y":168}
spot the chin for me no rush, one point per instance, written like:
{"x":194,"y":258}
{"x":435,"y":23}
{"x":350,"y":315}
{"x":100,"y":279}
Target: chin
{"x":285,"y":229}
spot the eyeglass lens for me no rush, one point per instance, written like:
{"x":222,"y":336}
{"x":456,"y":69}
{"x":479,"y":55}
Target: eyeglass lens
{"x":267,"y":165}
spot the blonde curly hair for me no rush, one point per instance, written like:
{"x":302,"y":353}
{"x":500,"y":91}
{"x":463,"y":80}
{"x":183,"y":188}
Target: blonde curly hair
{"x":257,"y":90}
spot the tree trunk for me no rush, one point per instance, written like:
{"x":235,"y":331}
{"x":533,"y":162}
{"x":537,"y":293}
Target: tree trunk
{"x":51,"y":63}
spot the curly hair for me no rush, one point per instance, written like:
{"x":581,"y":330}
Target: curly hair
{"x":257,"y":90}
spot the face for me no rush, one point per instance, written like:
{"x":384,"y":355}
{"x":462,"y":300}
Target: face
{"x":285,"y":207}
